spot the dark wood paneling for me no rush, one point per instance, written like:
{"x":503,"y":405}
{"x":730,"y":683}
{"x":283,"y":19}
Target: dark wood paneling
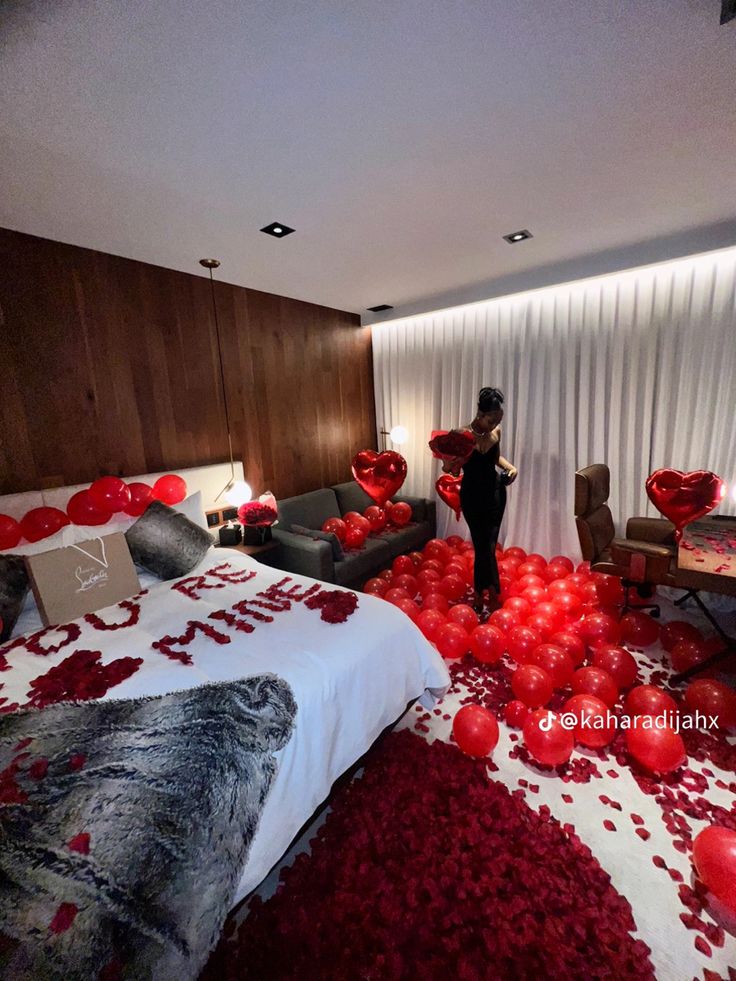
{"x":109,"y":366}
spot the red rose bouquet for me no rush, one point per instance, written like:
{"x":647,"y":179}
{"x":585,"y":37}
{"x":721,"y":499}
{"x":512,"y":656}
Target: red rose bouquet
{"x":259,"y":514}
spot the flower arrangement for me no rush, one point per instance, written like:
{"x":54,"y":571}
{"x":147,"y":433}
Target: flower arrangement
{"x":259,"y":514}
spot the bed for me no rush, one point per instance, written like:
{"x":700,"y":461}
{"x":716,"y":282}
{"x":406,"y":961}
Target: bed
{"x":352,"y":663}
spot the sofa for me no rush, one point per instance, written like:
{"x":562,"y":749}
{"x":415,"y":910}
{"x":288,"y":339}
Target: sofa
{"x":305,"y":556}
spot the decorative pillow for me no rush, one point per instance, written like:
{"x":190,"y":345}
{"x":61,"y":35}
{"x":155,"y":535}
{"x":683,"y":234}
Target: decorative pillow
{"x":14,"y":585}
{"x":191,"y":507}
{"x":323,"y":536}
{"x":166,"y":543}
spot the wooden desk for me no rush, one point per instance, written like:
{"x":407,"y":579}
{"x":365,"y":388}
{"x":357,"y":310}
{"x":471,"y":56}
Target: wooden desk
{"x":709,"y":545}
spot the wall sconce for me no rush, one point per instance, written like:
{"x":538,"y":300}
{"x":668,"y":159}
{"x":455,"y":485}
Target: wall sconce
{"x":397,"y":435}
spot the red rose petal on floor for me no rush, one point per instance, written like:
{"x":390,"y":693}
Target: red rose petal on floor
{"x":63,"y":918}
{"x":643,"y":834}
{"x":703,"y":946}
{"x":659,"y":861}
{"x":636,"y":819}
{"x":609,"y":825}
{"x":79,"y":843}
{"x":567,"y":798}
{"x":38,"y":769}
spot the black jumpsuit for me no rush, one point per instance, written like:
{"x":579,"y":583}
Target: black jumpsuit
{"x":483,"y":501}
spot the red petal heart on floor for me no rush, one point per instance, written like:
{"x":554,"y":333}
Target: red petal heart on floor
{"x":684,"y":497}
{"x":379,"y":474}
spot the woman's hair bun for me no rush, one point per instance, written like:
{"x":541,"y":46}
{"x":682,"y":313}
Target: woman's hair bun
{"x":490,"y":399}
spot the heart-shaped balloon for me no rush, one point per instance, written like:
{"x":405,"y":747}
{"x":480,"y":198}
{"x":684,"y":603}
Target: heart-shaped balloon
{"x":379,"y":474}
{"x":448,"y":488}
{"x":684,"y":497}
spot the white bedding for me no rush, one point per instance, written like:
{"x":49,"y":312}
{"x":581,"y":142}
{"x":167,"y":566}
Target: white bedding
{"x":350,"y":679}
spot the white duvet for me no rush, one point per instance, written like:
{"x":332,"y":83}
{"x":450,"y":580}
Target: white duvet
{"x":350,"y":679}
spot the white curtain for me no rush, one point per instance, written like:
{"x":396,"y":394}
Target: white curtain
{"x":636,"y":370}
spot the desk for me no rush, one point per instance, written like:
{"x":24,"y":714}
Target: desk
{"x":709,"y":546}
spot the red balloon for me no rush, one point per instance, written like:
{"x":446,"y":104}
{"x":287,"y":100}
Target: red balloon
{"x":386,"y":574}
{"x":595,"y":728}
{"x":453,"y":587}
{"x":543,"y":625}
{"x":428,"y":576}
{"x":10,"y":532}
{"x":569,"y":604}
{"x":564,"y":561}
{"x":672,"y":633}
{"x":456,"y":541}
{"x":536,"y":559}
{"x":141,"y":496}
{"x":531,"y":580}
{"x":401,"y":514}
{"x":379,"y":474}
{"x":358,"y":521}
{"x":528,"y":573}
{"x":532,"y":685}
{"x":684,"y":497}
{"x":354,"y":537}
{"x":350,"y":516}
{"x":618,"y":663}
{"x":429,"y":622}
{"x":688,"y":653}
{"x":170,"y":489}
{"x":487,"y":643}
{"x":39,"y":523}
{"x":336,"y":526}
{"x":555,"y":662}
{"x":658,"y":750}
{"x":515,"y":553}
{"x":407,"y":582}
{"x":448,"y":490}
{"x":109,"y":494}
{"x":395,"y":594}
{"x":402,"y":565}
{"x":377,"y":518}
{"x":712,"y":698}
{"x":638,"y":629}
{"x":609,"y":590}
{"x":515,"y":713}
{"x":409,"y":607}
{"x":452,"y":641}
{"x":505,"y":620}
{"x":417,"y":558}
{"x":464,"y":615}
{"x":714,"y":857}
{"x":571,"y":644}
{"x":438,"y":551}
{"x":554,"y":573}
{"x":652,"y":701}
{"x":475,"y":730}
{"x":82,"y":511}
{"x":436,"y":601}
{"x":549,"y":742}
{"x":375,"y":586}
{"x":551,"y":611}
{"x":519,"y":605}
{"x":521,"y":642}
{"x":597,"y":629}
{"x":595,"y":681}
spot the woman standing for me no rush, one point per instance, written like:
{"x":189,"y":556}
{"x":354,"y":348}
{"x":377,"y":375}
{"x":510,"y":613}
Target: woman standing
{"x":483,"y":492}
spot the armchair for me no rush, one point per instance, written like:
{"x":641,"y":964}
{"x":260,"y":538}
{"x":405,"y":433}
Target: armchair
{"x":646,"y":557}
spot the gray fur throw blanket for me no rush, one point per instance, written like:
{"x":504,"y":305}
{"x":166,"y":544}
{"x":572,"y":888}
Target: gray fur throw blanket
{"x":125,"y":826}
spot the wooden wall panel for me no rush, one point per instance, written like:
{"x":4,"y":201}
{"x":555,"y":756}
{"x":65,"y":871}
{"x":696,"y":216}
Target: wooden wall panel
{"x":109,"y":366}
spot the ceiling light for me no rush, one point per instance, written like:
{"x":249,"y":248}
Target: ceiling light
{"x":380,"y":308}
{"x":278,"y":229}
{"x":513,"y":237}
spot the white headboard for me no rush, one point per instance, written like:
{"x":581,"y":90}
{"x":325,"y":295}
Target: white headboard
{"x":210,"y":480}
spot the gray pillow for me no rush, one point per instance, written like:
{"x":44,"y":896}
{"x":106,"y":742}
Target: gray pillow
{"x":324,"y":536}
{"x":166,"y":543}
{"x":14,"y":586}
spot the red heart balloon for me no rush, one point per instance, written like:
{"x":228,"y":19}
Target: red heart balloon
{"x":379,"y":474}
{"x":448,"y":488}
{"x":684,"y":497}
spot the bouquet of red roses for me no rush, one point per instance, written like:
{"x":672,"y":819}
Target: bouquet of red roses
{"x":457,"y":444}
{"x":259,"y":514}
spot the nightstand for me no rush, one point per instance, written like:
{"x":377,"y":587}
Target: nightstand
{"x":256,"y":551}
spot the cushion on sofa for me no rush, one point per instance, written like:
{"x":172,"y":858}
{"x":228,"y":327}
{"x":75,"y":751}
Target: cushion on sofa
{"x":310,"y":510}
{"x":322,"y":536}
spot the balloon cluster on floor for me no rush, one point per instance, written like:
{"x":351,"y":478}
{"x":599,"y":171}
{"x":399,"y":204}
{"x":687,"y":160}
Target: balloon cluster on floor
{"x":93,"y":506}
{"x":354,"y":528}
{"x":561,"y":629}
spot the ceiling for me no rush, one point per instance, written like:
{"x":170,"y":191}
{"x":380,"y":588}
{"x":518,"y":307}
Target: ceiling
{"x":400,"y":138}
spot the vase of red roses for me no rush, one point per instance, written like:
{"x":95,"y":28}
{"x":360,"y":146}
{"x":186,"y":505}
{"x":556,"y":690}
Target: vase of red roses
{"x":257,"y":519}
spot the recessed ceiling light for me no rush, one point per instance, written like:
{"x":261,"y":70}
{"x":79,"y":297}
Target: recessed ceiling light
{"x":380,"y":308}
{"x":513,"y":237}
{"x":278,"y":229}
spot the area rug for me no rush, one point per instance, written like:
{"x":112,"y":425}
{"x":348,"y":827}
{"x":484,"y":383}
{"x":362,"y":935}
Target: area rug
{"x":428,"y":868}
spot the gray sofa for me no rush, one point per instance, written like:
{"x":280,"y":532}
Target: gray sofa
{"x":297,"y":553}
